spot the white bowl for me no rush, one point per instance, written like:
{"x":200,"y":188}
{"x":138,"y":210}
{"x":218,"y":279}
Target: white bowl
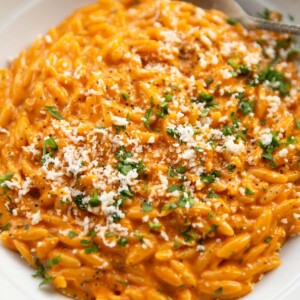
{"x":21,"y":21}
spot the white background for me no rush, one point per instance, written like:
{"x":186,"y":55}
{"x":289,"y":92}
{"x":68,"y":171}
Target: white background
{"x":20,"y":22}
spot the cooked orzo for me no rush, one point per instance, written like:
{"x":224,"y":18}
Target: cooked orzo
{"x":150,"y":150}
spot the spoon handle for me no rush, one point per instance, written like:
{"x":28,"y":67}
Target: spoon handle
{"x":256,"y":23}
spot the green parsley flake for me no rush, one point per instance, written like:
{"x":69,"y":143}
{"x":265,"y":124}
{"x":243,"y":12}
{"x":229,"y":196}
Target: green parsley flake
{"x":210,"y":178}
{"x":147,"y":118}
{"x":54,"y":261}
{"x":94,"y":201}
{"x":246,"y":107}
{"x":174,"y":187}
{"x":146,"y":207}
{"x":54,"y":112}
{"x":211,"y":194}
{"x":49,"y":146}
{"x":277,"y":80}
{"x":268,"y":239}
{"x":186,"y":201}
{"x":188,"y":234}
{"x":127,"y":194}
{"x":154,"y":226}
{"x":79,"y":202}
{"x":72,"y":234}
{"x":6,"y":177}
{"x":169,"y":206}
{"x":125,"y":96}
{"x":249,"y":192}
{"x":212,"y":229}
{"x":219,"y":291}
{"x":124,"y":167}
{"x":231,"y":168}
{"x":6,"y":227}
{"x":231,"y":21}
{"x":122,"y":242}
{"x":269,"y":149}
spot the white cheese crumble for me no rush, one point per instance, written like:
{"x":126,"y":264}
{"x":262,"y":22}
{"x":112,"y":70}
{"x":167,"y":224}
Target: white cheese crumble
{"x":119,"y":121}
{"x":283,"y":152}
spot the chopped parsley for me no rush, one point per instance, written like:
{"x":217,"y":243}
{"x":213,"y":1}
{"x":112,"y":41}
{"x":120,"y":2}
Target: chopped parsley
{"x":94,"y":201}
{"x":173,"y":132}
{"x":72,"y":234}
{"x":6,"y":227}
{"x":208,"y":100}
{"x":42,"y":271}
{"x":49,"y":146}
{"x":231,"y":21}
{"x":92,"y":247}
{"x":119,"y":128}
{"x":125,"y":96}
{"x":212,"y":229}
{"x":277,"y":80}
{"x":269,"y":149}
{"x":238,"y":69}
{"x":209,"y":81}
{"x":219,"y":291}
{"x":291,"y":140}
{"x":147,"y":118}
{"x":169,"y":206}
{"x":246,"y":107}
{"x":211,"y":215}
{"x":127,"y":194}
{"x":168,"y":97}
{"x":204,"y":97}
{"x":188,"y":234}
{"x":266,"y":14}
{"x":181,"y":170}
{"x":53,"y":262}
{"x":164,"y":107}
{"x":122,"y":242}
{"x":124,"y":167}
{"x":234,"y":129}
{"x":92,"y":233}
{"x":231,"y":168}
{"x":54,"y":112}
{"x":232,"y":63}
{"x":122,"y":155}
{"x":146,"y":206}
{"x":268,"y":239}
{"x":248,"y":191}
{"x":85,"y":243}
{"x":174,"y":172}
{"x":174,"y":187}
{"x":210,"y":177}
{"x":177,"y":244}
{"x":79,"y":202}
{"x":211,"y":194}
{"x":186,"y":201}
{"x":139,"y":237}
{"x":164,"y":110}
{"x":6,"y":177}
{"x":285,"y":43}
{"x":198,"y":149}
{"x":154,"y":226}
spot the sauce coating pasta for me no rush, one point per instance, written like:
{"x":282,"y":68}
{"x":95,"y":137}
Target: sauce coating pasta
{"x":150,"y":150}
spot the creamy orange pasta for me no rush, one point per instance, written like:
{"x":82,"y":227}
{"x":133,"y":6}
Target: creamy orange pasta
{"x":150,"y":150}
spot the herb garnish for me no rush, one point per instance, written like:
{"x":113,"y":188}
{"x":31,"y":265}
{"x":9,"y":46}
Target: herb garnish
{"x":54,"y":112}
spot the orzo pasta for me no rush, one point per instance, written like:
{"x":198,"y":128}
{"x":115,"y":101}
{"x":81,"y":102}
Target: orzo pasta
{"x":150,"y":150}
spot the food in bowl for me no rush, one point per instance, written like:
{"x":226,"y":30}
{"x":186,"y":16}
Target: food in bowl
{"x":150,"y":150}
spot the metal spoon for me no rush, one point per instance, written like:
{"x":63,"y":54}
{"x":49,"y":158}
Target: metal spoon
{"x":235,"y":11}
